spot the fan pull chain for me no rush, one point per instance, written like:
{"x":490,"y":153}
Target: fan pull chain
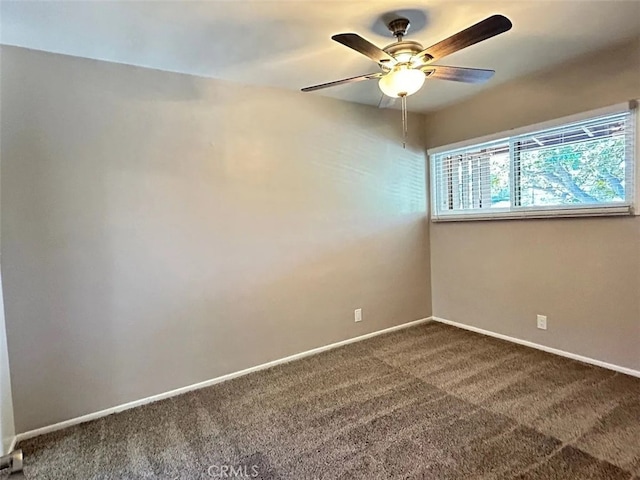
{"x":405,"y":121}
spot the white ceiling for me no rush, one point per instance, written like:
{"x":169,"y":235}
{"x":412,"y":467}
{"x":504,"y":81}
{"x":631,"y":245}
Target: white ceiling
{"x":287,"y":44}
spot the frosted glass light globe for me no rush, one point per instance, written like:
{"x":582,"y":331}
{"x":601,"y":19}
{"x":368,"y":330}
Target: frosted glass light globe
{"x":401,"y":82}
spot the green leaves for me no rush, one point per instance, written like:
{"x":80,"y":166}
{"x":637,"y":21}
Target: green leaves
{"x":584,"y":172}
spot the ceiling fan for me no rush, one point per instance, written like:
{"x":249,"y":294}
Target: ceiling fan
{"x":405,"y":64}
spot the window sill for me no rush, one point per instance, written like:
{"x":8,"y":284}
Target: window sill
{"x":618,"y":211}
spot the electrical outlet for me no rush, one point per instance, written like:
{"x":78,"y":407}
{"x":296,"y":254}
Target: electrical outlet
{"x":357,"y":314}
{"x":542,"y":322}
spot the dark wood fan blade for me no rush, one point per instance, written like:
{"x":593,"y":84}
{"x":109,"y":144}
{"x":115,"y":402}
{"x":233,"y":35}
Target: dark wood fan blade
{"x":487,"y":28}
{"x":364,"y":47}
{"x":343,"y":81}
{"x":386,"y":102}
{"x":458,"y":74}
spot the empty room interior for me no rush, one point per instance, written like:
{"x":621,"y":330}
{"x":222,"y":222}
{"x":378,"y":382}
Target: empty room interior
{"x":320,"y":240}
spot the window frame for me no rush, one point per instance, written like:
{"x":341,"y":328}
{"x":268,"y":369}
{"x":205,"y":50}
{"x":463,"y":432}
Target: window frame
{"x":629,"y":207}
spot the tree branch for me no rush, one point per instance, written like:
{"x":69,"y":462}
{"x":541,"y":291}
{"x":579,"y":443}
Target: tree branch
{"x":574,"y":189}
{"x":615,"y":184}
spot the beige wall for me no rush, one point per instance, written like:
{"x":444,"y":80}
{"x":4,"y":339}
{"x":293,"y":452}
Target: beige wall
{"x":160,"y":230}
{"x":7,"y":425}
{"x":584,"y":274}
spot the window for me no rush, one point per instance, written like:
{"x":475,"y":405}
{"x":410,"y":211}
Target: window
{"x":579,"y":166}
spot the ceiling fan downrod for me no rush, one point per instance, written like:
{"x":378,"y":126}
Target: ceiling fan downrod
{"x":399,"y":27}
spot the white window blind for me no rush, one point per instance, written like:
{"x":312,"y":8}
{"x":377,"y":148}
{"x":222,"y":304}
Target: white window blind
{"x":584,"y":167}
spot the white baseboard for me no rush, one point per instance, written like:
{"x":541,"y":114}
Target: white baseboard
{"x":562,"y":353}
{"x":207,"y":383}
{"x":12,"y":445}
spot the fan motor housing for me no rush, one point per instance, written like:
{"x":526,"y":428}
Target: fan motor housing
{"x":407,"y":47}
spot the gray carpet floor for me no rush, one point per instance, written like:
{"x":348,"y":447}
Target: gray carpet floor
{"x":429,"y":402}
